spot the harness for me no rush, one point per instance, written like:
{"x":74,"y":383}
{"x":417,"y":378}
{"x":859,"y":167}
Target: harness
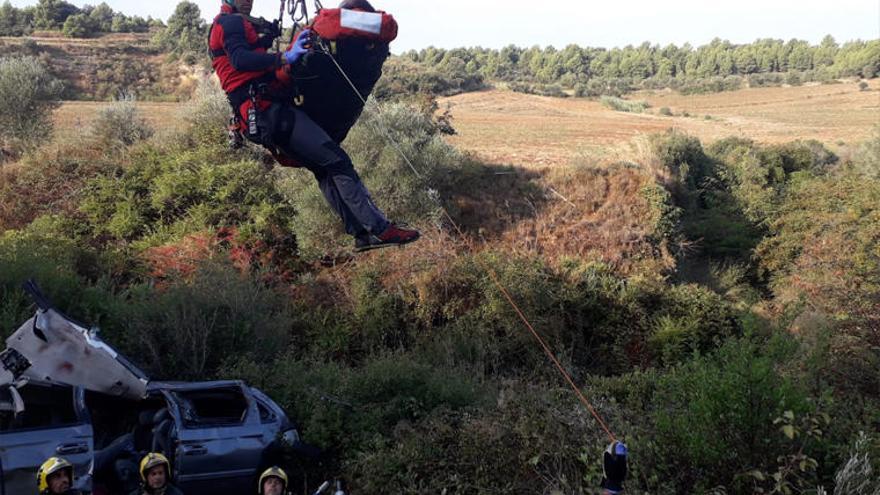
{"x":262,"y":26}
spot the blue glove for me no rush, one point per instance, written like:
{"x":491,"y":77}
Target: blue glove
{"x":300,"y":48}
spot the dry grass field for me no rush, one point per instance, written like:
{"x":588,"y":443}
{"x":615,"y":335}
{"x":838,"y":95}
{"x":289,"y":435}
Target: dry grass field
{"x":535,"y":131}
{"x":510,"y":128}
{"x":74,"y":117}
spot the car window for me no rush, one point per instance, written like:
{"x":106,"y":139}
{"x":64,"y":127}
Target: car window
{"x":45,"y":407}
{"x":266,"y":414}
{"x":212,"y":407}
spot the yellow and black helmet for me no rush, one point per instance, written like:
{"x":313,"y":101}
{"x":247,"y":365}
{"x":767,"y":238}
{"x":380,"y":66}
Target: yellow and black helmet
{"x":152,"y":460}
{"x":273,"y":471}
{"x":50,"y":467}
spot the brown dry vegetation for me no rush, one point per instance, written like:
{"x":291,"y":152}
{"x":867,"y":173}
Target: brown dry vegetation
{"x":98,"y":68}
{"x":73,"y":118}
{"x":535,"y":131}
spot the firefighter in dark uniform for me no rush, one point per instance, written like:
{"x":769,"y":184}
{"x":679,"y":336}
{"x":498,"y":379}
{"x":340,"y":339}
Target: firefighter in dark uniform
{"x":155,"y":473}
{"x":55,"y":477}
{"x":247,"y":72}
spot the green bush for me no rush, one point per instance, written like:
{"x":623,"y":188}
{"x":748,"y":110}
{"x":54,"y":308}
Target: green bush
{"x":682,"y":156}
{"x":188,"y":329}
{"x":533,"y":441}
{"x":732,"y":397}
{"x":622,"y":105}
{"x":120,"y":125}
{"x":665,"y":111}
{"x":49,"y":182}
{"x":163,"y":195}
{"x":30,"y":93}
{"x":821,"y":250}
{"x":46,"y":252}
{"x":710,"y":85}
{"x":866,"y":161}
{"x":691,"y":319}
{"x":348,"y":409}
{"x":401,"y":77}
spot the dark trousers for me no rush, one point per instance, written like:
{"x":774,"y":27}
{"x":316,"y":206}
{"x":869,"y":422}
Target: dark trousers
{"x":307,"y":142}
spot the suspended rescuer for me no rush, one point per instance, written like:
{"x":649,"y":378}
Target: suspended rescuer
{"x":247,"y":74}
{"x":55,"y":477}
{"x":614,"y":466}
{"x":155,"y":471}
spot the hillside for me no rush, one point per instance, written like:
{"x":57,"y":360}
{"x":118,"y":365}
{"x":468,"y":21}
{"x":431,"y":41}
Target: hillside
{"x":102,"y":68}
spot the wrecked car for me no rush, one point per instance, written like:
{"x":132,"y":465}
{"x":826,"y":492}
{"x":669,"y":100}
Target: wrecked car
{"x":64,"y":392}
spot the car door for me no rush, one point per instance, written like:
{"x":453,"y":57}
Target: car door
{"x":54,"y":423}
{"x":52,"y":347}
{"x":220,"y":440}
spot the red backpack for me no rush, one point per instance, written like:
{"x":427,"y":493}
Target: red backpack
{"x":336,"y":24}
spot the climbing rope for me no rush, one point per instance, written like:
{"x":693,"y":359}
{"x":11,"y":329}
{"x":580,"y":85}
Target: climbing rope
{"x":488,"y":269}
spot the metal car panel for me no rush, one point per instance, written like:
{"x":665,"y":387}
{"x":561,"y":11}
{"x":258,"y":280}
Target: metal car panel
{"x":56,"y":349}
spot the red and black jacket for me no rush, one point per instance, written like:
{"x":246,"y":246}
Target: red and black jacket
{"x":238,"y":53}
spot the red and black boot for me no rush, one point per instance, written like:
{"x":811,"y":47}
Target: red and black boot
{"x":394,"y":235}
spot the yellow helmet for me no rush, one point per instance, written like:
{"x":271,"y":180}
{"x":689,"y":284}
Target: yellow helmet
{"x":152,"y":460}
{"x":275,"y":471}
{"x":50,"y":467}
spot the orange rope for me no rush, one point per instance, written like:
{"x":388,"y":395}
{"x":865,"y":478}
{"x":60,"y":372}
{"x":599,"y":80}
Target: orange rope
{"x":541,"y":341}
{"x":493,"y":276}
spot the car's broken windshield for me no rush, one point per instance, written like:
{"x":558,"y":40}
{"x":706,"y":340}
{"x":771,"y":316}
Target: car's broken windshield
{"x":212,"y":407}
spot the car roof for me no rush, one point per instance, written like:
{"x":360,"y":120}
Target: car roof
{"x":176,"y":386}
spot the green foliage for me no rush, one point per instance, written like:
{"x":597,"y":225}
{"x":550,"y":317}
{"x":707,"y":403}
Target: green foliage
{"x":866,"y":161}
{"x":539,"y":89}
{"x":163,"y":195}
{"x":14,"y":22}
{"x":717,"y":66}
{"x":27,"y":87}
{"x":622,"y":105}
{"x":80,"y":26}
{"x":665,"y":111}
{"x":732,"y":397}
{"x":682,"y":158}
{"x":821,"y":250}
{"x":51,"y":14}
{"x":186,"y":33}
{"x":185,"y":330}
{"x":691,"y":319}
{"x":403,"y":77}
{"x":532,"y":441}
{"x":120,"y":125}
{"x":46,"y":252}
{"x":709,"y":85}
{"x":351,"y":408}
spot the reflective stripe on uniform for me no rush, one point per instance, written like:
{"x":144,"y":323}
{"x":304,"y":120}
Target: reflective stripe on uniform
{"x":368,"y":22}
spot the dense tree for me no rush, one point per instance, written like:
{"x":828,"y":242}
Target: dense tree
{"x":186,"y":31}
{"x":51,"y":14}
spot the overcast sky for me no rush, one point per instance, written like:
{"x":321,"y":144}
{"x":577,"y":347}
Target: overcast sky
{"x":493,"y":23}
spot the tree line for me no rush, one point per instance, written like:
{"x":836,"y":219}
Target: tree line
{"x":58,"y":15}
{"x":650,"y":65}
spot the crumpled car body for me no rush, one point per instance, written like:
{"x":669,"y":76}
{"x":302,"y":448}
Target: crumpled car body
{"x":64,"y":392}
